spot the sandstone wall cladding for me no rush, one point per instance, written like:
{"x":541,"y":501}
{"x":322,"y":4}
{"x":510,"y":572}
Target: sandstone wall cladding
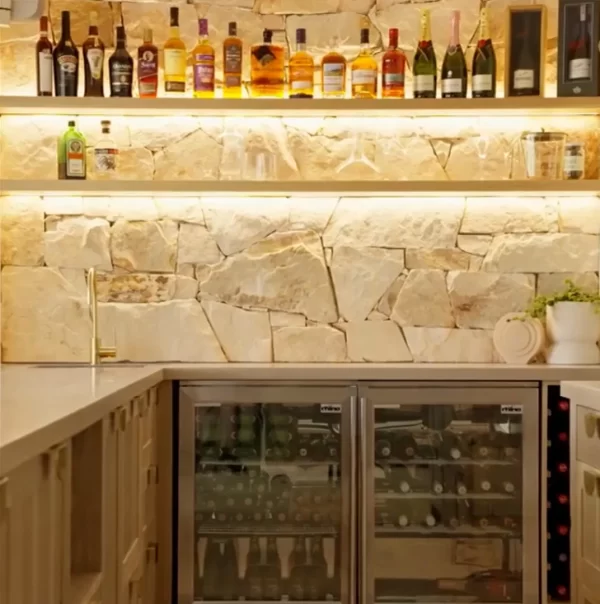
{"x":284,"y":279}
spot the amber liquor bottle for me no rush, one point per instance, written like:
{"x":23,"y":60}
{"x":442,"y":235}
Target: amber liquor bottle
{"x":43,"y":58}
{"x":333,"y":71}
{"x":267,"y":68}
{"x":364,"y":70}
{"x":393,"y":68}
{"x":302,"y":69}
{"x":66,"y":60}
{"x":120,"y":67}
{"x":147,"y":67}
{"x":232,"y":64}
{"x":93,"y":60}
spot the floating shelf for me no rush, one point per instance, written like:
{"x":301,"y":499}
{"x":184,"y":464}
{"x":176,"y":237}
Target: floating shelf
{"x":525,"y":106}
{"x":407,"y":188}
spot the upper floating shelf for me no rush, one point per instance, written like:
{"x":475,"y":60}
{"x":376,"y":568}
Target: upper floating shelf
{"x":527,"y":106}
{"x":386,"y":188}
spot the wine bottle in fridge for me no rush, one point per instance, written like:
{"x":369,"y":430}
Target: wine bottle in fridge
{"x":211,"y":573}
{"x":229,"y":572}
{"x":253,"y":577}
{"x":297,"y":568}
{"x":272,"y":571}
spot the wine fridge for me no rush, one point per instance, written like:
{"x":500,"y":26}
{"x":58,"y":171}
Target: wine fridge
{"x":358,"y":493}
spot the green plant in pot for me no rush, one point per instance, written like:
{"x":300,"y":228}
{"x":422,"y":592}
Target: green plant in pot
{"x":572,"y":318}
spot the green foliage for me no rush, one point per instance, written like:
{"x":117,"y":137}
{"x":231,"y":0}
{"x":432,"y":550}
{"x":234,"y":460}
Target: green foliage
{"x":572,"y":293}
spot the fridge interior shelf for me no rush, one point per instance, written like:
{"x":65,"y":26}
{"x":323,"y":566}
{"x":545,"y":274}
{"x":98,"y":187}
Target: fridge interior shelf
{"x":443,"y":532}
{"x":262,"y":531}
{"x":447,"y":462}
{"x":480,"y":496}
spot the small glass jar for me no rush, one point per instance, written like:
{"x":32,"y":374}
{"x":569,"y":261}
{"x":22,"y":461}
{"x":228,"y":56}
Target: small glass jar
{"x":574,"y":161}
{"x":543,"y":153}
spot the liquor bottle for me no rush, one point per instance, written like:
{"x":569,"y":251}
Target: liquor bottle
{"x":316,"y":584}
{"x":383,"y":448}
{"x":175,"y":56}
{"x":106,"y":154}
{"x":425,"y":63}
{"x":211,"y":571}
{"x":525,"y":72}
{"x":93,"y":60}
{"x":454,"y":67}
{"x":267,"y":70}
{"x":297,"y":568}
{"x":393,"y":68}
{"x":71,"y":154}
{"x":364,"y":70}
{"x":333,"y":69}
{"x":580,"y":55}
{"x":147,"y":67}
{"x":404,"y":446}
{"x":302,"y":70}
{"x":232,"y":64}
{"x":229,"y":572}
{"x":43,"y":60}
{"x":66,"y":60}
{"x":120,"y":68}
{"x":254,"y":575}
{"x":272,"y":573}
{"x":203,"y":57}
{"x":484,"y":61}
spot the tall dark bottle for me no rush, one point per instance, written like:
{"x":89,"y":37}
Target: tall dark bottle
{"x":297,"y":569}
{"x":211,"y":572}
{"x":66,"y":60}
{"x":525,"y":70}
{"x":272,"y":574}
{"x":43,"y":60}
{"x":484,"y":61}
{"x":580,"y":51}
{"x":253,"y":578}
{"x":316,"y":585}
{"x":454,"y":67}
{"x":93,"y":60}
{"x":229,"y":572}
{"x":120,"y":67}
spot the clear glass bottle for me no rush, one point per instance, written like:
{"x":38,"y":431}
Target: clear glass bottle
{"x":203,"y":57}
{"x":232,"y":64}
{"x":364,"y":70}
{"x":175,"y":57}
{"x":106,"y":154}
{"x":302,"y":70}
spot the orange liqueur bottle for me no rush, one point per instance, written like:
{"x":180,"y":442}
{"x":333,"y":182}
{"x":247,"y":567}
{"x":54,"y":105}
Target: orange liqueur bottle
{"x":393,"y":68}
{"x":147,"y":67}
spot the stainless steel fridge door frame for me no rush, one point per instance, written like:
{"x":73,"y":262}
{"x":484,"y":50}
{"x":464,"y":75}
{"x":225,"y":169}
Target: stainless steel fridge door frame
{"x":251,"y":393}
{"x":374,"y":395}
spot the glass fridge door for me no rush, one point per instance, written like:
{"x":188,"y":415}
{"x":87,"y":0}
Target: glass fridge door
{"x":449,"y":504}
{"x":265,"y":493}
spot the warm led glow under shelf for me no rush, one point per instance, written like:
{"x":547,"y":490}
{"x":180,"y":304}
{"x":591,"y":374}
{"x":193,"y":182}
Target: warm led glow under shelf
{"x":525,"y":106}
{"x":414,"y":188}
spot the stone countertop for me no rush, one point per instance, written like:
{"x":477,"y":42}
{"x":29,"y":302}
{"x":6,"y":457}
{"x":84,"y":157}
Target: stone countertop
{"x":42,"y":406}
{"x":583,"y":393}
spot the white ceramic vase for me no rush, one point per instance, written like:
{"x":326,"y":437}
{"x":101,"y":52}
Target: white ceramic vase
{"x":574,"y":330}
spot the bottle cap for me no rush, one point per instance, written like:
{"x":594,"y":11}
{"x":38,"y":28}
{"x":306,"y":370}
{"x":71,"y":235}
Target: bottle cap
{"x":233,"y":28}
{"x":301,"y":36}
{"x":364,"y":36}
{"x":120,"y":33}
{"x":105,"y":123}
{"x":44,"y":23}
{"x":71,"y":123}
{"x":174,"y":14}
{"x":203,"y":27}
{"x":267,"y":36}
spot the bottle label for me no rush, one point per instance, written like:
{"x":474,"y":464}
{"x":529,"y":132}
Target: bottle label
{"x":175,"y":66}
{"x":233,"y":60}
{"x":301,"y":84}
{"x":95,"y":59}
{"x":67,"y":74}
{"x":204,"y":73}
{"x":574,"y":163}
{"x":523,"y":79}
{"x":333,"y":77}
{"x":75,"y":152}
{"x":364,"y":76}
{"x":148,"y":73}
{"x":120,"y":78}
{"x":105,"y":160}
{"x":393,"y":80}
{"x":452,"y":86}
{"x":580,"y":69}
{"x":482,"y":82}
{"x":424,"y":83}
{"x":45,"y":75}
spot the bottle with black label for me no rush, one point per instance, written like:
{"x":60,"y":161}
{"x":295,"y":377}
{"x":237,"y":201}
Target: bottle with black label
{"x":272,"y":572}
{"x":297,"y":566}
{"x":254,"y":575}
{"x":66,"y":60}
{"x":229,"y":572}
{"x":120,"y":67}
{"x":211,"y":573}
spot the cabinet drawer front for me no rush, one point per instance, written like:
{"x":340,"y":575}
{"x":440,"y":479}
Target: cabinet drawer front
{"x":587,"y":523}
{"x":588,"y":436}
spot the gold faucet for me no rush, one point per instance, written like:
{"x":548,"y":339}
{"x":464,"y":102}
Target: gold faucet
{"x":97,"y":352}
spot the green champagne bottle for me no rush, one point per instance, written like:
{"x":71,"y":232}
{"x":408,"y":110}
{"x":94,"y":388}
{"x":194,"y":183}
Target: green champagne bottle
{"x":484,"y":61}
{"x":454,"y":67}
{"x":425,"y":64}
{"x":71,"y":154}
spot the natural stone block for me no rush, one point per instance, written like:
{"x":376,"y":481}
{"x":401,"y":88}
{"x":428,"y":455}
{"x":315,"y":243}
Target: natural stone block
{"x":376,"y":341}
{"x":395,"y":223}
{"x":311,"y":213}
{"x":144,"y":246}
{"x":196,"y":246}
{"x":478,"y":245}
{"x":442,"y":259}
{"x":137,"y":288}
{"x":510,"y":215}
{"x":286,"y":319}
{"x":318,"y":344}
{"x":245,"y":335}
{"x":78,"y":243}
{"x":296,"y":7}
{"x":21,"y":231}
{"x":556,"y":253}
{"x":181,"y":209}
{"x":481,"y":299}
{"x":554,"y":283}
{"x":283,"y":272}
{"x":580,"y":215}
{"x":63,"y":206}
{"x":156,"y":132}
{"x":45,"y":316}
{"x":440,"y":345}
{"x":388,"y":300}
{"x":423,"y":300}
{"x":361,"y":276}
{"x":17,"y":64}
{"x":80,"y":11}
{"x":170,"y":331}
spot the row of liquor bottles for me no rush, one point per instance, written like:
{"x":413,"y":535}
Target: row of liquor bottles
{"x":263,"y":578}
{"x":268,"y":66}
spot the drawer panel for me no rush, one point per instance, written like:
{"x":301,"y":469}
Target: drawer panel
{"x":588,"y":436}
{"x":589,"y":589}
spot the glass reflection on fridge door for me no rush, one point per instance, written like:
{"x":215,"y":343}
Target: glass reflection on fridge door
{"x":267,"y":503}
{"x":449,"y":507}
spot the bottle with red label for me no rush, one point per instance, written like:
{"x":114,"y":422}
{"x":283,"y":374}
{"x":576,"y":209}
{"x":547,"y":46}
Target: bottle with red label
{"x":147,"y":67}
{"x":66,"y":60}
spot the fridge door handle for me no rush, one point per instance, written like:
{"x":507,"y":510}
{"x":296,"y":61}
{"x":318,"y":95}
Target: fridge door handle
{"x":364,"y":488}
{"x":353,"y":502}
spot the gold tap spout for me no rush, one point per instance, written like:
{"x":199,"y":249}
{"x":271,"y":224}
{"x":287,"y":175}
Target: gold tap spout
{"x":97,"y":352}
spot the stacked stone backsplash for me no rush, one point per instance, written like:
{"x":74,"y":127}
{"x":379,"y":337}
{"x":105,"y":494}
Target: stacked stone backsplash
{"x":297,"y":279}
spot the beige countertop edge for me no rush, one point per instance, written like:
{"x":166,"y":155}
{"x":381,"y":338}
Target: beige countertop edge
{"x":582,"y":393}
{"x":41,"y":407}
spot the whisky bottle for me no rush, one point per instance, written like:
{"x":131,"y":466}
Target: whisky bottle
{"x":364,"y":70}
{"x":106,"y":154}
{"x":333,"y":70}
{"x":454,"y":67}
{"x":232,"y":64}
{"x":120,"y":67}
{"x":484,"y":61}
{"x":147,"y":67}
{"x":93,"y":60}
{"x":175,"y":56}
{"x":66,"y":60}
{"x":302,"y":70}
{"x":43,"y":60}
{"x":425,"y":63}
{"x":267,"y":68}
{"x":203,"y":57}
{"x":393,"y":68}
{"x":71,"y":154}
